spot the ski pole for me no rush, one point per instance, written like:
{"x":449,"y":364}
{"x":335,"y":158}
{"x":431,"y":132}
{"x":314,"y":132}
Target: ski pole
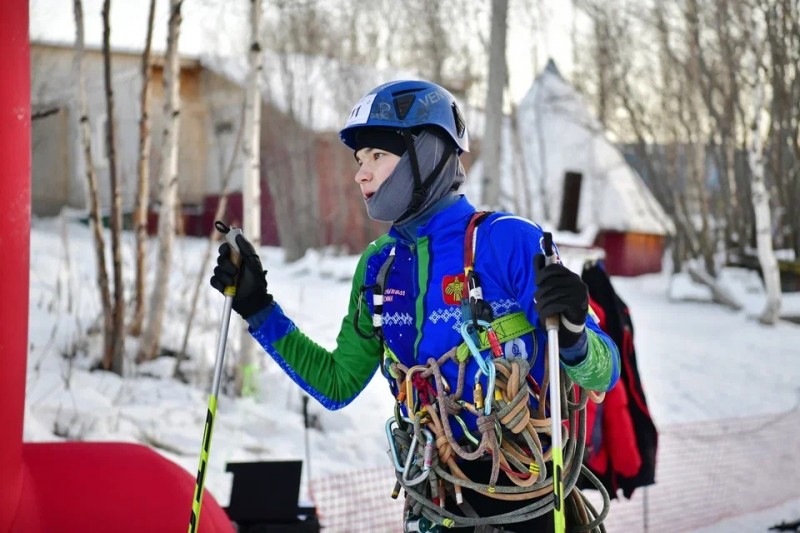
{"x":554,"y":364}
{"x":230,"y":235}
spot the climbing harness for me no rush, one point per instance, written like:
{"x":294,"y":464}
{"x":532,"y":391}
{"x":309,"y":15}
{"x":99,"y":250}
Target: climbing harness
{"x":514,"y":435}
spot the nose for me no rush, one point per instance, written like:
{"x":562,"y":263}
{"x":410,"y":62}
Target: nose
{"x":363,"y":175}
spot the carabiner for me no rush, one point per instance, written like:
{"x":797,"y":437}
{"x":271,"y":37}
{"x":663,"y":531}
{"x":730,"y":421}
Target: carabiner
{"x":491,"y":374}
{"x":472,"y":345}
{"x":427,"y":459}
{"x":392,"y":446}
{"x":411,"y":396}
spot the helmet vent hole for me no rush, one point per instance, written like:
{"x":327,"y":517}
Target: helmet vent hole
{"x":461,"y":126}
{"x":402,"y":104}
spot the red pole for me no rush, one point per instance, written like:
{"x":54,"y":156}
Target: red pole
{"x":15,"y":210}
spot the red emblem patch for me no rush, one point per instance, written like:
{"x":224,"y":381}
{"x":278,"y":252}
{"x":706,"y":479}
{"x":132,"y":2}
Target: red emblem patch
{"x":453,"y":289}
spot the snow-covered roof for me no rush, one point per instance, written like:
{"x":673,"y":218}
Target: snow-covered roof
{"x":555,"y":133}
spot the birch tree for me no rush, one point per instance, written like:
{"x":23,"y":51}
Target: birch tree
{"x":118,"y":308}
{"x":490,"y":186}
{"x":151,"y":337}
{"x":252,"y":130}
{"x":251,"y":150}
{"x":143,"y":182}
{"x":755,"y":158}
{"x":92,"y":195}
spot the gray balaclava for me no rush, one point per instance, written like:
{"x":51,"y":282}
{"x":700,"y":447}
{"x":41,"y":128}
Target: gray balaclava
{"x":393,"y":197}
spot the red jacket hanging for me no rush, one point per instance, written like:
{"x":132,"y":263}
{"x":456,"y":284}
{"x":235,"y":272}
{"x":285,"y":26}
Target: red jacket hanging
{"x":610,"y":438}
{"x":622,"y":439}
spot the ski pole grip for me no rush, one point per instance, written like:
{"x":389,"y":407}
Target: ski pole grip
{"x":549,"y":252}
{"x":231,"y":232}
{"x":551,"y":323}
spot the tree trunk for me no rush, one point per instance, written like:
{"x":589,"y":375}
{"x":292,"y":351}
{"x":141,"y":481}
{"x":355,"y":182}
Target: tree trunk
{"x":251,"y":147}
{"x":93,"y":201}
{"x":118,"y":315}
{"x":143,"y":183}
{"x":718,"y":293}
{"x":755,"y":157}
{"x":245,"y":375}
{"x":490,"y":189}
{"x":151,"y":337}
{"x":698,"y":141}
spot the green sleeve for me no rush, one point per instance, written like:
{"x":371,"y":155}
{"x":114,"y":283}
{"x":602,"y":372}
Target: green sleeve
{"x":599,"y":370}
{"x":335,"y":377}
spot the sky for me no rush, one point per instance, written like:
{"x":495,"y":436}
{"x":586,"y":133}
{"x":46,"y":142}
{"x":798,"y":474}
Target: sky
{"x":206,"y":25}
{"x":702,"y":366}
{"x":552,"y":41}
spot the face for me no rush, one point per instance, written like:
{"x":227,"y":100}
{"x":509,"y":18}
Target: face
{"x":375,"y":166}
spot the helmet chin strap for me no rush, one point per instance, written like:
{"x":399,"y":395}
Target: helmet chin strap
{"x":421,"y":188}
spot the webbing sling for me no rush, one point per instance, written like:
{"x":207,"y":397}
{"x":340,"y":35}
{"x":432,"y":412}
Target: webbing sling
{"x":507,"y":327}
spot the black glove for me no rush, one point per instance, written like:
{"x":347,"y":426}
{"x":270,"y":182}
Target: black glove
{"x":559,"y":291}
{"x":251,"y":286}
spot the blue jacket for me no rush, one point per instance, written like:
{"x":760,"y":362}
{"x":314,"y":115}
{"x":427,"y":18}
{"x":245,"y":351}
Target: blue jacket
{"x":422,"y":314}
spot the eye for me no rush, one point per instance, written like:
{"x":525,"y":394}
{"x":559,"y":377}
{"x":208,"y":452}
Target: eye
{"x":377,"y":155}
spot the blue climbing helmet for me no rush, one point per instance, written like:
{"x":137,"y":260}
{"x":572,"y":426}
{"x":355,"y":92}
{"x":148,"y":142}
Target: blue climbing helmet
{"x":407,"y":105}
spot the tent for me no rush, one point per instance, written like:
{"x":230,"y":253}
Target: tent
{"x":559,"y":169}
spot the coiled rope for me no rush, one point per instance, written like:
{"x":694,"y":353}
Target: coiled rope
{"x":509,"y":434}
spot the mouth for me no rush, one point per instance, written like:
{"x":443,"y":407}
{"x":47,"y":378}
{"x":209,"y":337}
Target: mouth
{"x":368,"y":195}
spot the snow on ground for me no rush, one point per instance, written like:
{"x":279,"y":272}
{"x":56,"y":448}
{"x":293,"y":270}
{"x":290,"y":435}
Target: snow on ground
{"x":696,"y":361}
{"x":759,"y":521}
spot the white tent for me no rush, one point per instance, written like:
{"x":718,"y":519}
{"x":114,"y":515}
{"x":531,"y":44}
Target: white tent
{"x":552,"y":133}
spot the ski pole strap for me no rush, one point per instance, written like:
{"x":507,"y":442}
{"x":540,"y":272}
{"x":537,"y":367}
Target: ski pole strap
{"x":231,"y":232}
{"x":507,"y":327}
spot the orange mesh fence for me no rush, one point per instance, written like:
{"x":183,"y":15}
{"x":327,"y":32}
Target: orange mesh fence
{"x":710,"y":471}
{"x":706,"y":472}
{"x":359,"y":501}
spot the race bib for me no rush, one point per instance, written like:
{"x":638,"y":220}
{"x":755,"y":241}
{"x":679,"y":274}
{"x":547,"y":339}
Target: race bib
{"x":360,"y":113}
